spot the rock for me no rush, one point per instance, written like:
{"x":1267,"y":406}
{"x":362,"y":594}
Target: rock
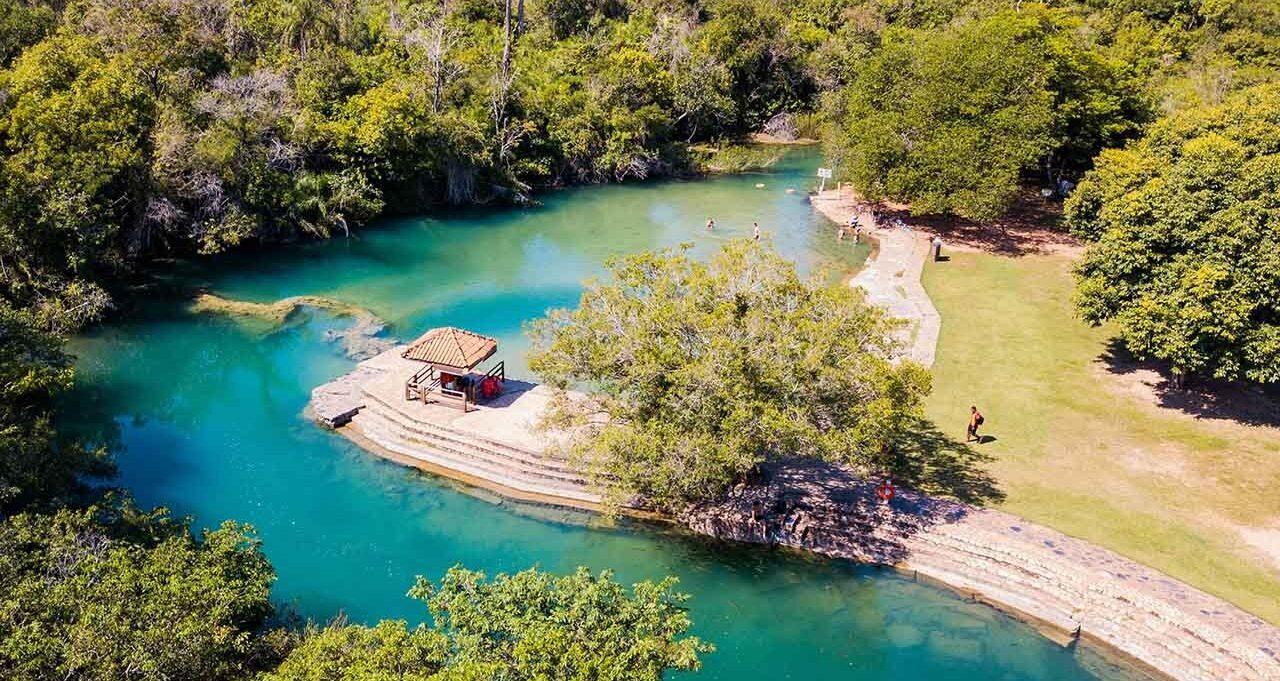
{"x":782,"y":127}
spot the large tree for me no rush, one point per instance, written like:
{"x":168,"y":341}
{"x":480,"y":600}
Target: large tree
{"x":698,"y":372}
{"x":528,"y":626}
{"x":110,"y":594}
{"x":948,"y":119}
{"x":1184,"y":232}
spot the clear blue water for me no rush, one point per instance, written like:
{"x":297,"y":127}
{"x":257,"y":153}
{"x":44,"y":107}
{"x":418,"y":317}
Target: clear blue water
{"x":207,"y":415}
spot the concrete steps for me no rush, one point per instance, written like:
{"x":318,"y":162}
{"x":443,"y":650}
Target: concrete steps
{"x":1031,"y":585}
{"x":502,"y":465}
{"x":479,"y":444}
{"x":402,"y":411}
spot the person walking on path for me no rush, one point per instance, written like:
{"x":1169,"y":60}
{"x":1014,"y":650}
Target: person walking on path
{"x":937,"y":247}
{"x":711,"y":224}
{"x":755,"y":231}
{"x":975,"y":420}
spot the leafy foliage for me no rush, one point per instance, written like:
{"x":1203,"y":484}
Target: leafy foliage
{"x":35,"y":467}
{"x":1185,"y":232}
{"x":108,"y":593}
{"x":135,"y":129}
{"x":530,"y":625}
{"x":949,"y":118}
{"x":699,"y":372}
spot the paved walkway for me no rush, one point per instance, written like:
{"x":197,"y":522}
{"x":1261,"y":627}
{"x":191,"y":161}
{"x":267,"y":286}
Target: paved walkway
{"x":892,"y":278}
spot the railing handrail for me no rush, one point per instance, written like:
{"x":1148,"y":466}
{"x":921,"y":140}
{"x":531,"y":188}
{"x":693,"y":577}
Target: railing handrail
{"x":422,"y":373}
{"x":498,"y":370}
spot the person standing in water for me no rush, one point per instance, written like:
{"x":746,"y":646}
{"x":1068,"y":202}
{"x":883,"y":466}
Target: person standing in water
{"x":755,"y":231}
{"x":711,"y":224}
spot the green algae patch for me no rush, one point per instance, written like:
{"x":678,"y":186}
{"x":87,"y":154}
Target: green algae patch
{"x":361,"y":339}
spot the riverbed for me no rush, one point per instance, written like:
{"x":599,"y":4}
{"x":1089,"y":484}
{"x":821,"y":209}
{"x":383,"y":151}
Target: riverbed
{"x":206,"y":413}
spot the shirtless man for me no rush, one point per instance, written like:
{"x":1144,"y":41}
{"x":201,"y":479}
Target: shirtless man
{"x":975,"y":420}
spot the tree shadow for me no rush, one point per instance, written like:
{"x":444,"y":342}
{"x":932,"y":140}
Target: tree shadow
{"x":1031,"y":226}
{"x":831,"y":509}
{"x":1204,"y":398}
{"x":929,"y":460}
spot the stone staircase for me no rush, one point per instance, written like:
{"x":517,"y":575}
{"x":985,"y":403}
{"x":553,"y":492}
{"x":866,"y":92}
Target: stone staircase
{"x":395,"y":428}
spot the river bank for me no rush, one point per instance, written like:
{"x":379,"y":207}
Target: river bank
{"x":205,"y":408}
{"x":1074,"y":587}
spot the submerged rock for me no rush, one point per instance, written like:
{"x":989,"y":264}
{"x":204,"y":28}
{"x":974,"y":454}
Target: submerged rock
{"x":360,"y":340}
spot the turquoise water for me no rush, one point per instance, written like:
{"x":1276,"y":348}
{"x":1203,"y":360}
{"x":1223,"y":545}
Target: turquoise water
{"x":206,"y":413}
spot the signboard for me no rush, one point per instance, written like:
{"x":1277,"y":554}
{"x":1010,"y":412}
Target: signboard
{"x":825,"y":174}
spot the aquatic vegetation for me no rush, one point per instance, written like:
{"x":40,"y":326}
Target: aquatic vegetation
{"x":359,"y":340}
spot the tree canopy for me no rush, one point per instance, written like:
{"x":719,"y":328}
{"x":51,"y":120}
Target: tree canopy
{"x":138,"y":129}
{"x":698,"y":372}
{"x":948,"y":119}
{"x":37,"y":468}
{"x":108,"y":593}
{"x":1184,"y":232}
{"x":526,"y":626}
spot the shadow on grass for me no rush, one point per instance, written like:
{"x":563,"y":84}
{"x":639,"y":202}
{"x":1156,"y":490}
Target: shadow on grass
{"x":1030,"y":227}
{"x":1205,"y":398}
{"x":934,"y":463}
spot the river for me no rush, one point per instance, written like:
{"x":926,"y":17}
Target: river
{"x":206,"y":413}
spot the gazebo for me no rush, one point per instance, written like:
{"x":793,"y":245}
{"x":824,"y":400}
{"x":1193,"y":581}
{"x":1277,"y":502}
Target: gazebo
{"x":451,"y":356}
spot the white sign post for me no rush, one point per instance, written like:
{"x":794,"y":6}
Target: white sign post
{"x":825,"y":174}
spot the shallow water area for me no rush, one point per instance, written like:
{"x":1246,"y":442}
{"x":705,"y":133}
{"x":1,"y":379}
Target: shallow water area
{"x":207,"y":414}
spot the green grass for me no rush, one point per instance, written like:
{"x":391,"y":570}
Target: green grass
{"x":1083,"y":449}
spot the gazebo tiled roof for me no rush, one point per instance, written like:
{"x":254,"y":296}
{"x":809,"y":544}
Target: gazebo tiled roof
{"x":447,"y":346}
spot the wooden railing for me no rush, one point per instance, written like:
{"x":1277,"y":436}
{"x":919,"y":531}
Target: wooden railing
{"x":423,"y":384}
{"x":498,"y":371}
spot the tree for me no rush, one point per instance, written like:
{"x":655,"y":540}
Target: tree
{"x":766,"y":75}
{"x":35,"y":466}
{"x":1184,"y":232}
{"x":531,"y":625}
{"x":948,"y":119}
{"x":72,"y":133}
{"x":699,"y":372}
{"x":110,"y":594}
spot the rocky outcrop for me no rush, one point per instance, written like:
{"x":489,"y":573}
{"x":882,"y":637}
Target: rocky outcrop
{"x":1045,"y":575}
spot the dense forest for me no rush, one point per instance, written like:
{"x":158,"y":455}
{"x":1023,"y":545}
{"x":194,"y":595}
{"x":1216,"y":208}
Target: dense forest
{"x":137,"y":129}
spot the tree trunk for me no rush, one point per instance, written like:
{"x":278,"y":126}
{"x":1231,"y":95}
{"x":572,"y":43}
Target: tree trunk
{"x":506,"y":32}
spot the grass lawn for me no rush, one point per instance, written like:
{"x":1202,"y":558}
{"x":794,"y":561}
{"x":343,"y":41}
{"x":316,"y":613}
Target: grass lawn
{"x":1089,"y":451}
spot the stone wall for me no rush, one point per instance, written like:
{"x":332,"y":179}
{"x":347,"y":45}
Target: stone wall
{"x":1076,"y":587}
